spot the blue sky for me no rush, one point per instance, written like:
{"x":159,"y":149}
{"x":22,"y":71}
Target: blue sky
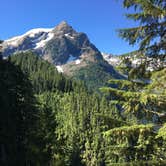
{"x":99,"y":19}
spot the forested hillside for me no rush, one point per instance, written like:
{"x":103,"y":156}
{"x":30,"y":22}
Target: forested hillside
{"x":18,"y":115}
{"x":43,"y":75}
{"x":48,"y":119}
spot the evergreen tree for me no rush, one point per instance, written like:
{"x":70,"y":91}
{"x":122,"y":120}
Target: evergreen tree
{"x":151,"y":34}
{"x":17,"y":116}
{"x":43,"y":75}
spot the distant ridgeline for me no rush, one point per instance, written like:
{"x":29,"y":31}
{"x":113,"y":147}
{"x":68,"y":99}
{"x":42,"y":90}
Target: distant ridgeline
{"x":135,"y":59}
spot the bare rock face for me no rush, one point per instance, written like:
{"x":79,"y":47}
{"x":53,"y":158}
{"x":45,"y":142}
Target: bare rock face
{"x":63,"y":28}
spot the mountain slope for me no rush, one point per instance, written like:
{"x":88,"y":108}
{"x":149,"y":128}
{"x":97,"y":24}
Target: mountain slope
{"x":56,"y":45}
{"x":42,"y":74}
{"x":70,"y":51}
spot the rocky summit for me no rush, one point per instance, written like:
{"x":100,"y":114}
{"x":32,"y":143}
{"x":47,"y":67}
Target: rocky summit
{"x":71,"y":51}
{"x":60,"y":45}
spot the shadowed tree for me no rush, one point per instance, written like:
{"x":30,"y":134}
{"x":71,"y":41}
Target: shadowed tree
{"x":17,"y":116}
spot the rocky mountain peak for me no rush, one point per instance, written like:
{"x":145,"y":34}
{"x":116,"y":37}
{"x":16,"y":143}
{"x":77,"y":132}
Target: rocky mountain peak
{"x":63,"y":28}
{"x":63,"y":23}
{"x":66,"y":48}
{"x":70,"y":51}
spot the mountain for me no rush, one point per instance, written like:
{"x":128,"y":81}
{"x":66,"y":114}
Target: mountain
{"x":134,"y":59}
{"x":71,"y":52}
{"x":59,"y":45}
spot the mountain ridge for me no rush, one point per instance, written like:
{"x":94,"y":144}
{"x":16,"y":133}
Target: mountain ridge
{"x":48,"y":43}
{"x":70,"y":51}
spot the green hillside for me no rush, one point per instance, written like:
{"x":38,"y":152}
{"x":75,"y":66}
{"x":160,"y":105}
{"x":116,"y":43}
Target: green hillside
{"x":48,"y":119}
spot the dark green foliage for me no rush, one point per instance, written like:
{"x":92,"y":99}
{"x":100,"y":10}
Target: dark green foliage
{"x":126,"y":84}
{"x":80,"y":120}
{"x":139,"y":72}
{"x":96,"y":75}
{"x":150,"y":34}
{"x":158,"y":85}
{"x":87,"y":130}
{"x":43,"y":75}
{"x":17,"y":115}
{"x":134,"y":102}
{"x":130,"y":143}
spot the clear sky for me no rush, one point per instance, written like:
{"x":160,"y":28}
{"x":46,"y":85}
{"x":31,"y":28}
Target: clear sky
{"x":99,"y":19}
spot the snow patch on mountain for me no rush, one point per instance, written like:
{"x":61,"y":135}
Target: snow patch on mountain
{"x":78,"y":61}
{"x":37,"y":30}
{"x":42,"y":43}
{"x":60,"y":69}
{"x":31,"y":34}
{"x":13,"y":41}
{"x":113,"y":60}
{"x":68,"y":35}
{"x":71,"y":58}
{"x":134,"y":61}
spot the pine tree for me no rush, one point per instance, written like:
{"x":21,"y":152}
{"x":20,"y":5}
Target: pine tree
{"x":17,"y":116}
{"x":151,"y":34}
